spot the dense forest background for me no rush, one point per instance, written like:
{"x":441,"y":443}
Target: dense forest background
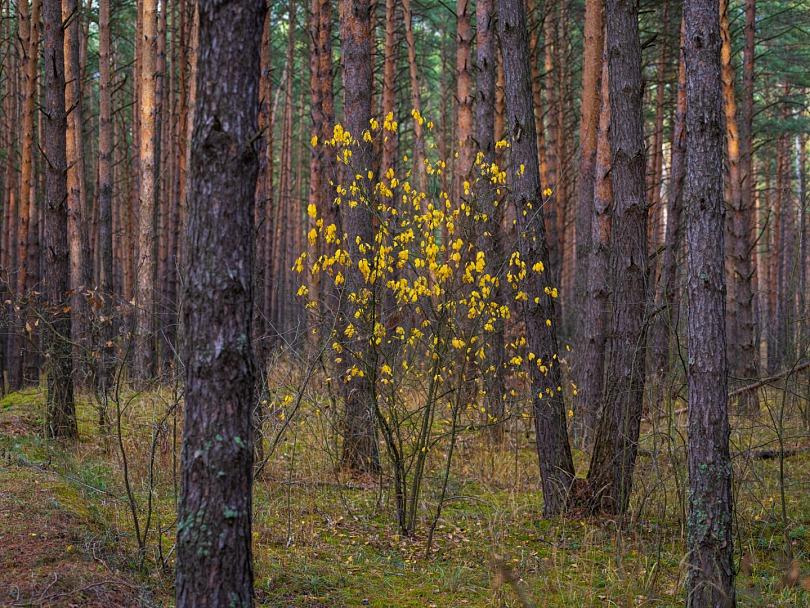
{"x":373,"y":262}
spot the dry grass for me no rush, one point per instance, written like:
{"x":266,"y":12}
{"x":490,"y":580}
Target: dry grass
{"x":323,"y":540}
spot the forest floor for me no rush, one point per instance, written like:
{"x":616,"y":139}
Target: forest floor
{"x":67,"y":533}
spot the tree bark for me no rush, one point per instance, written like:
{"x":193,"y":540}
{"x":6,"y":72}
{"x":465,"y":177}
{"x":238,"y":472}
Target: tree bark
{"x":492,"y":234}
{"x":654,"y":192}
{"x":742,"y":339}
{"x":360,"y":449}
{"x":747,"y":215}
{"x":105,"y":191}
{"x":710,"y":580}
{"x":596,"y":313}
{"x":144,"y":363}
{"x":464,"y":96}
{"x":23,"y":368}
{"x":665,"y":322}
{"x":389,"y":146}
{"x":537,"y":93}
{"x":60,"y":415}
{"x":614,"y":456}
{"x":77,"y":206}
{"x":416,"y":98}
{"x":214,"y":565}
{"x":589,"y":129}
{"x":537,"y":311}
{"x":552,"y":206}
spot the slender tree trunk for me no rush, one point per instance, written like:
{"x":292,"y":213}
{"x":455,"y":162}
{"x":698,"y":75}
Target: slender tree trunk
{"x":552,"y":205}
{"x":655,"y":223}
{"x":464,"y":97}
{"x":60,"y":414}
{"x":746,"y":118}
{"x":77,"y":233}
{"x":710,"y":580}
{"x":144,"y":363}
{"x":161,"y":172}
{"x":416,"y":98}
{"x":24,"y":363}
{"x":665,"y":321}
{"x":596,"y":313}
{"x":492,"y":235}
{"x":589,"y":129}
{"x":266,"y":226}
{"x":360,"y":449}
{"x":282,"y":296}
{"x":742,"y":340}
{"x":654,"y":189}
{"x":537,"y":93}
{"x":804,"y":234}
{"x":614,"y":456}
{"x":777,"y":344}
{"x":105,"y":187}
{"x":390,"y":141}
{"x":553,"y":449}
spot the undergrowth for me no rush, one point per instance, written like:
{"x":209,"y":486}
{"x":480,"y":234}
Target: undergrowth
{"x":320,"y":539}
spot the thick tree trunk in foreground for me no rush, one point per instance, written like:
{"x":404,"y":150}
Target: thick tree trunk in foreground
{"x":214,"y":566}
{"x":60,"y":415}
{"x":710,"y":580}
{"x":614,"y":456}
{"x":360,"y":449}
{"x":537,"y":311}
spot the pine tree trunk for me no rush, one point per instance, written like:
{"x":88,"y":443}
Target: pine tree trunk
{"x":24,"y":369}
{"x":416,"y":98}
{"x":360,"y":449}
{"x":553,"y":449}
{"x":668,"y":299}
{"x":614,"y":456}
{"x":742,"y":340}
{"x":537,"y":93}
{"x":590,"y":376}
{"x":144,"y":363}
{"x":589,"y":129}
{"x":214,"y":565}
{"x":77,"y":232}
{"x":264,"y":253}
{"x":551,"y":207}
{"x":491,"y":240}
{"x":746,"y":218}
{"x":710,"y":579}
{"x":464,"y":97}
{"x":654,"y":189}
{"x":105,"y":191}
{"x":60,"y":414}
{"x":389,"y":146}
